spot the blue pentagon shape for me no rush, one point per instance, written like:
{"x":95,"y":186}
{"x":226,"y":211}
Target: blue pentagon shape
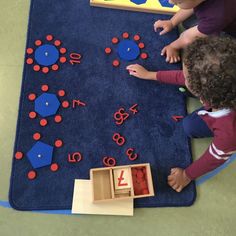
{"x":40,"y":155}
{"x":165,"y":3}
{"x":138,"y":2}
{"x":46,"y":104}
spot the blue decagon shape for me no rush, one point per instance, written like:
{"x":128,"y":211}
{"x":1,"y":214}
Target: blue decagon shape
{"x":46,"y":55}
{"x":128,"y":50}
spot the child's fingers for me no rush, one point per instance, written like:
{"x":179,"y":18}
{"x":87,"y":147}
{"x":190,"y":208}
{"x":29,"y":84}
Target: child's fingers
{"x":170,"y":177}
{"x":164,"y":31}
{"x":173,"y":170}
{"x":171,"y":60}
{"x":163,"y":52}
{"x":132,"y":67}
{"x":176,"y":186}
{"x":157,"y":25}
{"x":133,"y":73}
{"x":179,"y":189}
{"x":167,"y":58}
{"x":171,"y":182}
{"x":129,"y":67}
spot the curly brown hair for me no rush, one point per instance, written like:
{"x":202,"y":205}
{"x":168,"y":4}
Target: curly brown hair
{"x":211,"y":65}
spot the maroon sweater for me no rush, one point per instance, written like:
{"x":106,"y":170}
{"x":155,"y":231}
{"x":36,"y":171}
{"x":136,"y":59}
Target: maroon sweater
{"x":223,"y":125}
{"x":215,"y":16}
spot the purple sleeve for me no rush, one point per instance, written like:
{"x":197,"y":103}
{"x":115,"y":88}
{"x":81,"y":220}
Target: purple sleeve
{"x":209,"y":27}
{"x":175,"y":77}
{"x":210,"y":16}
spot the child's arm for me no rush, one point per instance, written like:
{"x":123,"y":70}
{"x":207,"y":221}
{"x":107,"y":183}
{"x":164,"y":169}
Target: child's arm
{"x":168,"y":25}
{"x":187,"y":37}
{"x":170,"y":77}
{"x":216,"y":155}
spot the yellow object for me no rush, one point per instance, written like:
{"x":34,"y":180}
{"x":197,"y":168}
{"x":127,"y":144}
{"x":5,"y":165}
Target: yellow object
{"x":152,"y":6}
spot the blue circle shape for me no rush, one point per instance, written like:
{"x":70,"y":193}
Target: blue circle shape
{"x":128,"y":50}
{"x":46,"y":55}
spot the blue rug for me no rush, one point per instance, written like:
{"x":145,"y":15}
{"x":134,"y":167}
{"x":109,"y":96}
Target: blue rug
{"x":102,"y":90}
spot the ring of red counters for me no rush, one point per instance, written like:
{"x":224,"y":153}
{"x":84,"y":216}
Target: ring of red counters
{"x":140,"y":182}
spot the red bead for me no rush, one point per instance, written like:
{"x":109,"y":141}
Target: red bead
{"x":144,"y":55}
{"x":54,"y":167}
{"x":139,"y":174}
{"x":38,"y":42}
{"x":32,"y":115}
{"x":55,"y":67}
{"x":115,"y":63}
{"x":29,"y":61}
{"x":29,"y":50}
{"x":45,"y":70}
{"x":63,"y":50}
{"x":115,"y":40}
{"x":107,"y":50}
{"x":136,"y":37}
{"x":141,"y":45}
{"x":36,"y":68}
{"x":44,"y":88}
{"x":58,"y":118}
{"x":65,"y":104}
{"x":134,"y":171}
{"x":58,"y":143}
{"x":37,"y":136}
{"x":145,"y":191}
{"x":57,"y":43}
{"x":43,"y":122}
{"x":143,"y":185}
{"x":62,"y":59}
{"x":32,"y":175}
{"x":125,"y":35}
{"x":49,"y":37}
{"x":61,"y":93}
{"x":31,"y":96}
{"x":19,"y":155}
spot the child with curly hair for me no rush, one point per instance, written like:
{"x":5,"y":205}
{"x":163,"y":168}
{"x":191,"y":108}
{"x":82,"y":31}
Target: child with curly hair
{"x":209,"y":73}
{"x":213,"y":16}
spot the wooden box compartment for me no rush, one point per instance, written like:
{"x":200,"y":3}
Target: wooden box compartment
{"x":122,"y":182}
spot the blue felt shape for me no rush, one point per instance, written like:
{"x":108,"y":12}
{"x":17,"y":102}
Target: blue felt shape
{"x":40,"y":155}
{"x":128,"y":50}
{"x":138,"y":2}
{"x":89,"y":130}
{"x":47,"y":104}
{"x":46,"y":55}
{"x":165,"y":3}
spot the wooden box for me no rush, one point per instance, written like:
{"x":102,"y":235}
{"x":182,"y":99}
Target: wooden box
{"x":121,"y":182}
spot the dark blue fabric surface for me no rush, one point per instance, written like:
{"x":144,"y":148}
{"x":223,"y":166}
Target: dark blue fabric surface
{"x":105,"y":89}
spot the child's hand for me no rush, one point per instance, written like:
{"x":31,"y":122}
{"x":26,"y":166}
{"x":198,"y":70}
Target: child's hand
{"x":166,"y":25}
{"x":172,"y":54}
{"x":140,"y":72}
{"x":178,"y":179}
